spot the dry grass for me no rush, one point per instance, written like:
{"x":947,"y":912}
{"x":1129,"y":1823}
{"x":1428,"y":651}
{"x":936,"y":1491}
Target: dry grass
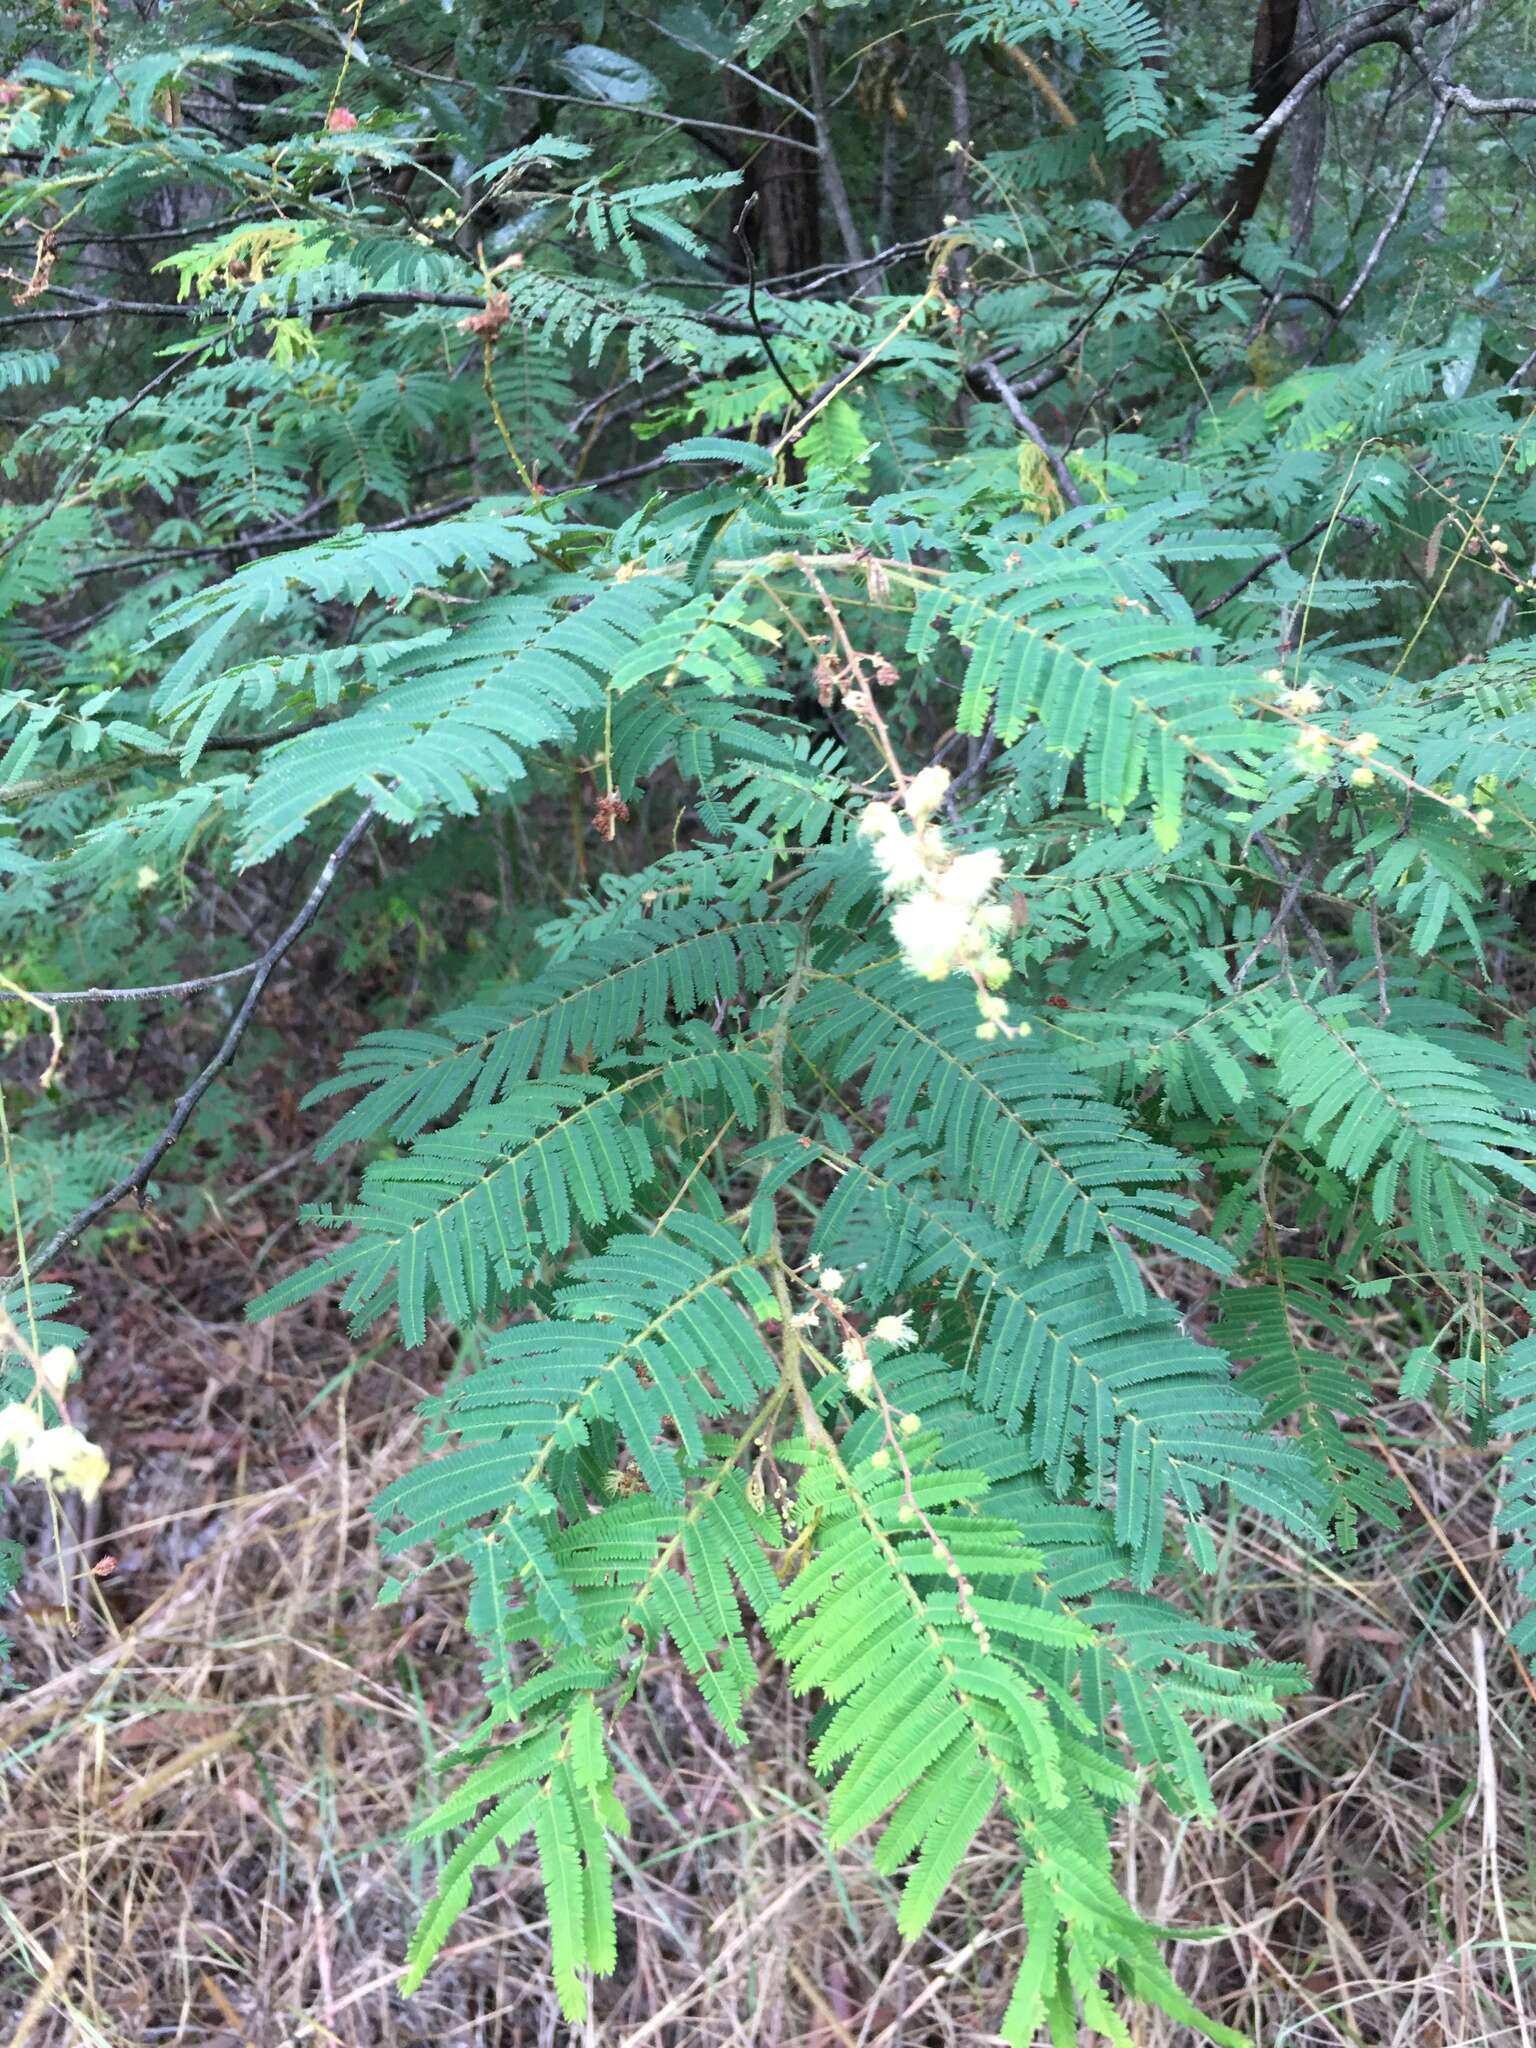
{"x":205,"y":1788}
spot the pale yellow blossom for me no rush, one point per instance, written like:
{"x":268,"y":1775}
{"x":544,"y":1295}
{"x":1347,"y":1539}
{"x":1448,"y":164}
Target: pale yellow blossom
{"x":19,"y":1426}
{"x":969,"y":879}
{"x":56,"y":1367}
{"x":65,"y":1455}
{"x":925,"y":792}
{"x":1303,"y":701}
{"x":878,"y":821}
{"x":901,"y":859}
{"x":929,"y":934}
{"x":895,"y":1330}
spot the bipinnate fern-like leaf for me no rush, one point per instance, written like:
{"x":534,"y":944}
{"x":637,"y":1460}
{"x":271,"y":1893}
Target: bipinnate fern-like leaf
{"x":464,"y":1216}
{"x":1183,"y":1026}
{"x":1154,"y":1663}
{"x":1122,"y":1404}
{"x":1055,"y":638}
{"x":650,"y":1336}
{"x":1054,"y":1164}
{"x":670,"y":964}
{"x":1402,"y":1116}
{"x":1316,"y":1391}
{"x":917,"y":1620}
{"x":458,"y":718}
{"x":1126,"y":897}
{"x":350,"y":567}
{"x":681,"y":1572}
{"x":557,"y":1786}
{"x":1124,"y":41}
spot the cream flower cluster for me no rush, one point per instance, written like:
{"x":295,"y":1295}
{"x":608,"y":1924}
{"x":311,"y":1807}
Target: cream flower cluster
{"x":64,"y":1456}
{"x":944,"y":919}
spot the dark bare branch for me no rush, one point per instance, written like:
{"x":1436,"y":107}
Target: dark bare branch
{"x":138,"y":1175}
{"x":1252,"y":575}
{"x":1014,"y":408}
{"x":1399,"y":206}
{"x":194,"y":986}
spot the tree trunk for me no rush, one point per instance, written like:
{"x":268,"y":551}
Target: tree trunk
{"x":1309,"y":134}
{"x":1271,"y":74}
{"x":784,"y":227}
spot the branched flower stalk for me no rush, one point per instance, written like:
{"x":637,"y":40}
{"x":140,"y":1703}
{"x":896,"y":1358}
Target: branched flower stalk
{"x":824,"y":1285}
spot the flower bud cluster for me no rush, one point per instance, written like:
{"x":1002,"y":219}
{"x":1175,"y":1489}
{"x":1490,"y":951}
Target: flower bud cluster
{"x":894,"y":1332}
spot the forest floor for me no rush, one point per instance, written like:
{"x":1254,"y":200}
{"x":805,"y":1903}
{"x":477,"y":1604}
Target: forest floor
{"x":209,"y":1773}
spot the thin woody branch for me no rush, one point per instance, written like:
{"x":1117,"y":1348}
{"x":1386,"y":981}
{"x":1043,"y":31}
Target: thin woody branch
{"x":136,"y":1179}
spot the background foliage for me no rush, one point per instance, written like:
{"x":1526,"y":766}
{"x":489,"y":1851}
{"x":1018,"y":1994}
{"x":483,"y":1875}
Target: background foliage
{"x":888,"y":651}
